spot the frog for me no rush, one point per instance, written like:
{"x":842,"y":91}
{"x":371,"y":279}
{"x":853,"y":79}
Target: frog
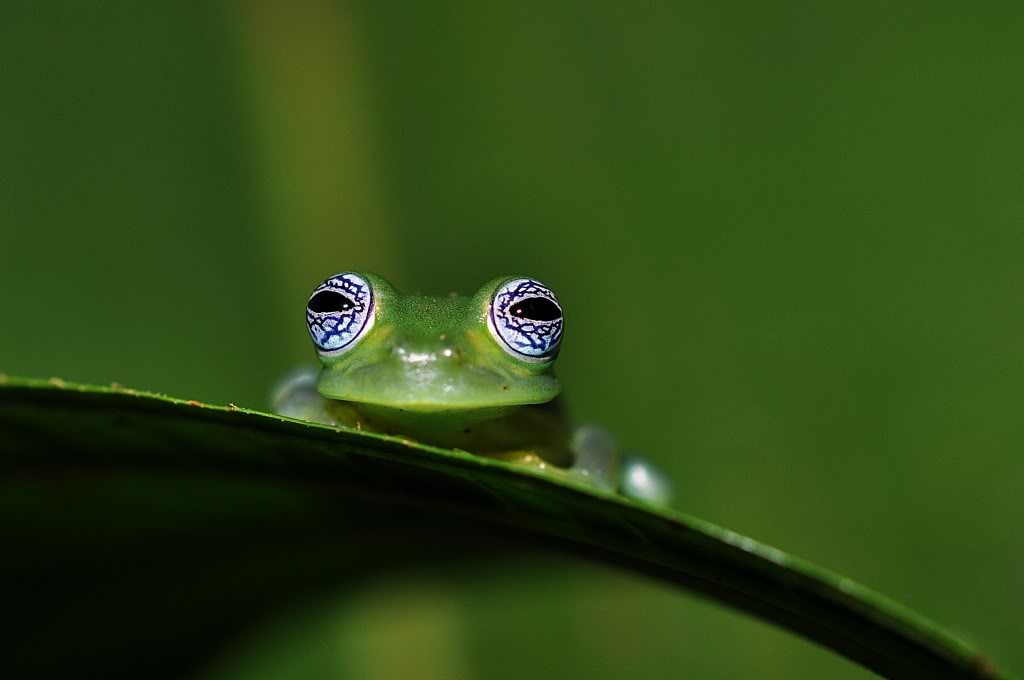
{"x":473,"y":373}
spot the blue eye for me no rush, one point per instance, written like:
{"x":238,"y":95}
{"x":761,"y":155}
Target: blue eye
{"x":339,"y":313}
{"x":526,"y":319}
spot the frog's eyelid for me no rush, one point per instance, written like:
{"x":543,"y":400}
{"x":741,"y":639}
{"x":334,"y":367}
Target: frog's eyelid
{"x":534,"y":340}
{"x":336,"y":322}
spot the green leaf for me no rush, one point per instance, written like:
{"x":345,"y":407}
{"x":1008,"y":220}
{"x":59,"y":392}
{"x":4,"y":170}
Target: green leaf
{"x":137,"y":526}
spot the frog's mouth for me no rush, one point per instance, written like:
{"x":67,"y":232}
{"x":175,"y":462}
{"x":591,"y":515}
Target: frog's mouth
{"x":430,"y":387}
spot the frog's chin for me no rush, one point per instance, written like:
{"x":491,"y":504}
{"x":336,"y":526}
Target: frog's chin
{"x":428,"y":389}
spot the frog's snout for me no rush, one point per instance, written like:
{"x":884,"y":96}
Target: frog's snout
{"x":444,"y":353}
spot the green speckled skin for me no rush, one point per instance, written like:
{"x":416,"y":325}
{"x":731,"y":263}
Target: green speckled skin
{"x":429,"y":368}
{"x":432,"y":369}
{"x":436,"y":355}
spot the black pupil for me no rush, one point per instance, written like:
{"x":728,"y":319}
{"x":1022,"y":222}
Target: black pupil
{"x":330,"y":301}
{"x":536,"y":309}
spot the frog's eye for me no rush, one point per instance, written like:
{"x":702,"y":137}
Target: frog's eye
{"x":526,"y":320}
{"x":339,"y":313}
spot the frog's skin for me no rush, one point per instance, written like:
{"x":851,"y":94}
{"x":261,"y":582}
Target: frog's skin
{"x":471,"y":373}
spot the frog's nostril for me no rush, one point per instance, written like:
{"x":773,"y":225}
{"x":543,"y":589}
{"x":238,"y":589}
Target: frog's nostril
{"x":453,"y":354}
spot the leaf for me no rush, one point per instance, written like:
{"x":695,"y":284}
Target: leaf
{"x":139,"y":526}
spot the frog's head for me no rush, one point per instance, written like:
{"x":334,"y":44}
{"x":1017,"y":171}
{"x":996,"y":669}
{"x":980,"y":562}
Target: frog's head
{"x":419,"y":353}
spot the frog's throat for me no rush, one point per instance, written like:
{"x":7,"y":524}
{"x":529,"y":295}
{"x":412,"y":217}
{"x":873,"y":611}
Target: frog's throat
{"x":537,"y":429}
{"x":434,"y":419}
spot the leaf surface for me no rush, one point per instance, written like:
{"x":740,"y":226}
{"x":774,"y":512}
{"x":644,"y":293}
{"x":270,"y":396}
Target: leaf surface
{"x":140,"y":525}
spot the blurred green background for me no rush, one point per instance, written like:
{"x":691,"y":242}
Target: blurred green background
{"x":788,"y":238}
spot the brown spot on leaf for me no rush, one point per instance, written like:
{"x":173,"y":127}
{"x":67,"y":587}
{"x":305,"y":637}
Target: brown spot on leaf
{"x":985,"y":666}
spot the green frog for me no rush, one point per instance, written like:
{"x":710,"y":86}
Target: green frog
{"x":474,"y":373}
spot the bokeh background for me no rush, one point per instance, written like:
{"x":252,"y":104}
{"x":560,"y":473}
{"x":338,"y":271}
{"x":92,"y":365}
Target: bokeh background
{"x":788,"y":238}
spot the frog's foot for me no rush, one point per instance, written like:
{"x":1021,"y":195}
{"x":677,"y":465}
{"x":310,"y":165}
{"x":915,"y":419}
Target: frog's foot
{"x":643,"y":482}
{"x":293,"y":396}
{"x":599,"y":461}
{"x":595,"y":457}
{"x":296,"y":397}
{"x":523,"y":457}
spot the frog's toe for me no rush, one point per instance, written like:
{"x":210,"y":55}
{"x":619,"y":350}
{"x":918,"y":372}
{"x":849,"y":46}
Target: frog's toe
{"x":296,"y":396}
{"x":645,"y":483}
{"x":596,"y":457}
